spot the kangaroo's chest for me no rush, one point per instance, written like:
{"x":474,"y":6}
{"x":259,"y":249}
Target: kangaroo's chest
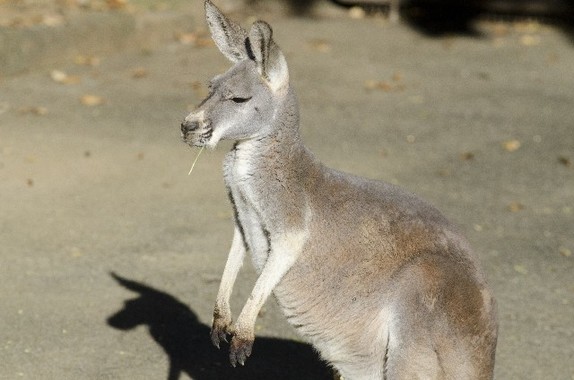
{"x":239,"y":179}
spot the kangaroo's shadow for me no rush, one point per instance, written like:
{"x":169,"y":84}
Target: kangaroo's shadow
{"x":185,"y":340}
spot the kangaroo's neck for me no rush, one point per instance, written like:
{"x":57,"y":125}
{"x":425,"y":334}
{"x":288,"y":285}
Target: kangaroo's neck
{"x":270,"y":173}
{"x":278,"y":150}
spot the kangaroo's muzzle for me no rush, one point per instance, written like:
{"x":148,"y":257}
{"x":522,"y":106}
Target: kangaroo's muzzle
{"x":196,"y":129}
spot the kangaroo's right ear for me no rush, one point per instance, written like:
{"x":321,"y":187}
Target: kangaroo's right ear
{"x":270,"y":60}
{"x":228,"y":36}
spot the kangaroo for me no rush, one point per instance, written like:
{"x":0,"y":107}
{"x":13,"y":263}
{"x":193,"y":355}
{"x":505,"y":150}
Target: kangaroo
{"x":376,"y":279}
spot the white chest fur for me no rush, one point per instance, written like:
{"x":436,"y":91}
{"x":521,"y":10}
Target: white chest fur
{"x":239,"y":177}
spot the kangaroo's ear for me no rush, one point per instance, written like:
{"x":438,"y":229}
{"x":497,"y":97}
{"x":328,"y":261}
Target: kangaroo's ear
{"x":270,"y":60}
{"x":229,"y":37}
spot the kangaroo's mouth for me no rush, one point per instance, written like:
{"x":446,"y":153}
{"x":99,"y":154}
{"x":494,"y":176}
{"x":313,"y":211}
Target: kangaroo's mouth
{"x":197,"y":139}
{"x":196,"y":133}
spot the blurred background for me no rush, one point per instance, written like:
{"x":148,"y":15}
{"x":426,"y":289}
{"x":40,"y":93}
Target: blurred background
{"x":111,"y":254}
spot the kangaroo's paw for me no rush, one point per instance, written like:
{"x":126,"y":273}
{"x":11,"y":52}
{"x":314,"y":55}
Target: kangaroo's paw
{"x":220,"y":329}
{"x":240,"y":350}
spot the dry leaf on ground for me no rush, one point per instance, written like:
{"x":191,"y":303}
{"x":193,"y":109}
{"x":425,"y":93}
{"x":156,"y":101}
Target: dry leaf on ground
{"x":139,"y":73}
{"x":62,"y":77}
{"x":37,"y":110}
{"x":87,"y":60}
{"x":511,"y":145}
{"x":91,"y":100}
{"x":357,"y":13}
{"x":320,"y":45}
{"x":385,"y":85}
{"x":515,"y":206}
{"x":116,"y":4}
{"x":565,"y":161}
{"x":52,"y":20}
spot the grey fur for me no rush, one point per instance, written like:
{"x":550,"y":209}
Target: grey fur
{"x":374,"y":277}
{"x":229,"y":37}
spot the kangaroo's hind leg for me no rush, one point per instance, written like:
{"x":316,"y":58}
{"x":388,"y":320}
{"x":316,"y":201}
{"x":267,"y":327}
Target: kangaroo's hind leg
{"x":409,"y":359}
{"x":447,"y":324}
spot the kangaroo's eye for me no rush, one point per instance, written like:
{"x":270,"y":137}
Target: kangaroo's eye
{"x":240,"y":100}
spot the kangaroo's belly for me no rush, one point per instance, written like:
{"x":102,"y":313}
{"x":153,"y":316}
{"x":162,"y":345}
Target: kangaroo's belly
{"x":344,"y":320}
{"x":353,"y":338}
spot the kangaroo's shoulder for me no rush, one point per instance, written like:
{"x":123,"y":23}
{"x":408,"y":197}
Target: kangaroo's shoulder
{"x":378,"y":196}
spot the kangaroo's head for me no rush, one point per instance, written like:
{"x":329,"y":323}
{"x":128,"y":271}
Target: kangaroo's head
{"x":243,"y":102}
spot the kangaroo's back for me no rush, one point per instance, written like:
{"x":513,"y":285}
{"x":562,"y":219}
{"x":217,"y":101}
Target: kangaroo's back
{"x":376,"y":278}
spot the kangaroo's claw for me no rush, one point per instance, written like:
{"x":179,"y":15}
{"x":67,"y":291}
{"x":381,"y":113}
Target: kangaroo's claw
{"x":240,"y":350}
{"x":219,"y":330}
{"x":217,"y":336}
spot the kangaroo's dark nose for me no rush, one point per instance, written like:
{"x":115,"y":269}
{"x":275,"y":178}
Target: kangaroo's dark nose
{"x":188,"y":126}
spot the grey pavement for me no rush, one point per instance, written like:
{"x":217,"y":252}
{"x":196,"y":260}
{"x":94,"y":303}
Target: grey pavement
{"x":96,"y":207}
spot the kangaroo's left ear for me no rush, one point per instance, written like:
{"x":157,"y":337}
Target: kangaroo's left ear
{"x":270,"y":60}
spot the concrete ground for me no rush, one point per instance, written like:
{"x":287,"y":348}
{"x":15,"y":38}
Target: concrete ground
{"x":110,"y":254}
